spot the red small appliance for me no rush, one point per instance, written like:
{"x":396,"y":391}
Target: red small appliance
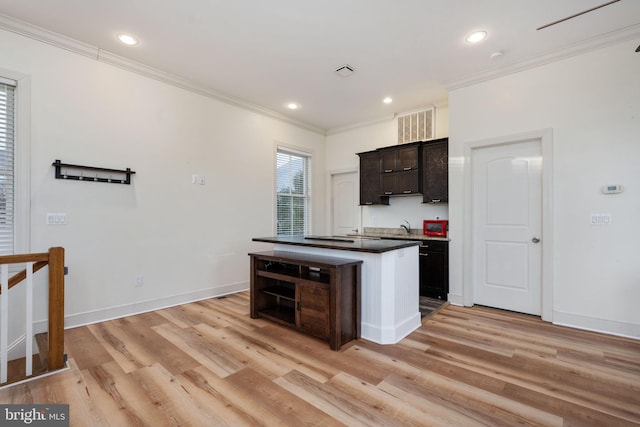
{"x":435,"y":227}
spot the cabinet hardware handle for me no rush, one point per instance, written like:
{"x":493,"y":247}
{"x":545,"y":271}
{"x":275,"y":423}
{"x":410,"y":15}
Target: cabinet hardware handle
{"x":407,"y":191}
{"x":368,"y":203}
{"x":407,"y":168}
{"x":435,"y":200}
{"x":535,"y":240}
{"x":388,"y":192}
{"x":424,"y":254}
{"x":298,"y":306}
{"x":388,"y":170}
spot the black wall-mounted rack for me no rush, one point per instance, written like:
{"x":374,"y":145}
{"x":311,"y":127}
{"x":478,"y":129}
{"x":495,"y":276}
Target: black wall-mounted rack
{"x":94,"y":174}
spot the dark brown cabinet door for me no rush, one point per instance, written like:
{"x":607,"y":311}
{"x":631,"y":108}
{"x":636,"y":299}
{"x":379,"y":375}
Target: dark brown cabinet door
{"x":434,"y":270}
{"x":396,"y":159}
{"x":408,"y":158}
{"x":389,"y":160}
{"x":400,"y":170}
{"x":398,"y":183}
{"x":435,"y":172}
{"x":370,"y":179}
{"x":312,"y":314}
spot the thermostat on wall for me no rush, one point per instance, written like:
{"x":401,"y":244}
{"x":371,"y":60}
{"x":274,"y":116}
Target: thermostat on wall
{"x":612,"y":189}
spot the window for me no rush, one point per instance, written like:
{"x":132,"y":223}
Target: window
{"x":293,"y":215}
{"x":7,"y":166}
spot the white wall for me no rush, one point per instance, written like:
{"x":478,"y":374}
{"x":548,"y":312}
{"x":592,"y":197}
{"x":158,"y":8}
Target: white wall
{"x":188,"y":241}
{"x":341,"y":149}
{"x":592,"y":104}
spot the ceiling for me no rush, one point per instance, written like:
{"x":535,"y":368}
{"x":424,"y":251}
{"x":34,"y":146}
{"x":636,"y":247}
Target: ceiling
{"x":265,"y":54}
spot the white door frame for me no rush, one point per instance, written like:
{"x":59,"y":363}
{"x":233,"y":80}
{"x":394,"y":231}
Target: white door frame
{"x":329,"y":198}
{"x":546,"y":239}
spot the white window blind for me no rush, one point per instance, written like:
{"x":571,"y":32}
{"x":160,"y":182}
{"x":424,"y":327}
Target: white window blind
{"x":7,"y":164}
{"x":292,"y":193}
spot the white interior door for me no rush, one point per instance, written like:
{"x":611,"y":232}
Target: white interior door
{"x":345,"y":209}
{"x":507,"y":225}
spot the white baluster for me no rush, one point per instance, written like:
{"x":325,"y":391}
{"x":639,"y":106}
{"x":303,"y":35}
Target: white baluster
{"x":4,"y":321}
{"x":29,"y":319}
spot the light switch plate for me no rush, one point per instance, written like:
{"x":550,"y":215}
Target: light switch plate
{"x":56,"y":219}
{"x":600,"y":219}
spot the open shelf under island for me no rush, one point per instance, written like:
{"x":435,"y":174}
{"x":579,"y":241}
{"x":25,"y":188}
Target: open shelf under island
{"x":317,"y":295}
{"x":389,"y":294}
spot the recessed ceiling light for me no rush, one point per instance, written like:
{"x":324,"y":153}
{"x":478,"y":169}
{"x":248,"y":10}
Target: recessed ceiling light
{"x":127,"y":39}
{"x":476,"y":36}
{"x":387,"y":100}
{"x":293,"y":106}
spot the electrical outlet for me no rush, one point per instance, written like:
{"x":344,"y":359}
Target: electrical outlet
{"x":197,"y":179}
{"x":139,"y":280}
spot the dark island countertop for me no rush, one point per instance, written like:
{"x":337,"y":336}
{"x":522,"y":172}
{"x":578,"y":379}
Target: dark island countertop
{"x":371,"y":245}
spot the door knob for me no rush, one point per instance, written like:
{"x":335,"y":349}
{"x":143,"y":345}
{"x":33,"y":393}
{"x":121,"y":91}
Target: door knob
{"x":535,"y":240}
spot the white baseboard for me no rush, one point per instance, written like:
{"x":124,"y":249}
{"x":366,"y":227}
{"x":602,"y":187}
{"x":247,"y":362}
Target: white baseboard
{"x":102,"y":315}
{"x":611,"y":327}
{"x":455,"y":299}
{"x":390,"y":335}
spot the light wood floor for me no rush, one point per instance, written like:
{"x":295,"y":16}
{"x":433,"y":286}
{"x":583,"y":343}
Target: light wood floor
{"x":209,"y":363}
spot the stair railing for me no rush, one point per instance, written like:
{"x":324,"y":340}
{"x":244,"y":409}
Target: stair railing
{"x":34,"y":262}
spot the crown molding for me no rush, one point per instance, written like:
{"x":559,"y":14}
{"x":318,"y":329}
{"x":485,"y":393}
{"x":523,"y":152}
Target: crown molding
{"x":54,"y":39}
{"x":49,"y":37}
{"x":415,"y":110}
{"x":588,"y":45}
{"x":347,"y":128}
{"x":386,"y":119}
{"x":157,"y":74}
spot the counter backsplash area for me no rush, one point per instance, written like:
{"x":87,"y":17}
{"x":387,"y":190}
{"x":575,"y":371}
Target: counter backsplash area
{"x":391,"y":232}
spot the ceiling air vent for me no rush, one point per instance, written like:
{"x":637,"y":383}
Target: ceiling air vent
{"x":344,"y":70}
{"x":416,"y":126}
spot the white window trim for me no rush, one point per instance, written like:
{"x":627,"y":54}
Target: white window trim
{"x":22,"y":191}
{"x":293,"y":150}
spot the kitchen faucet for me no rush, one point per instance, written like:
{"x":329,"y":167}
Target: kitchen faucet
{"x":407,"y":227}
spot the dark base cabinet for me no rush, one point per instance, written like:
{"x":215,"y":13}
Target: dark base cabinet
{"x":315,"y":294}
{"x":434,"y":269}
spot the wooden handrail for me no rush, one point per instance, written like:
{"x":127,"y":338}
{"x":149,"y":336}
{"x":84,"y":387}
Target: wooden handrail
{"x":55,"y":260}
{"x":15,"y":259}
{"x":21,"y":275}
{"x":40,"y":259}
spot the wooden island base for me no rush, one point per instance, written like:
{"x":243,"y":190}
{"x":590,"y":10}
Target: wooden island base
{"x":315,"y":294}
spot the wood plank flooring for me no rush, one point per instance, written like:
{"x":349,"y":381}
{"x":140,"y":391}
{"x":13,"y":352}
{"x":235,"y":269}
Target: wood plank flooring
{"x":208,"y":363}
{"x":427,"y":305}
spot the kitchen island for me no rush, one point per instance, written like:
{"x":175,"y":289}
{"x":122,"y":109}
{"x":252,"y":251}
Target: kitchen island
{"x":389,"y":300}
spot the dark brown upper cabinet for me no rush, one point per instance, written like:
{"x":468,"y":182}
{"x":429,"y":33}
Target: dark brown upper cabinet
{"x":435,"y":171}
{"x":400,"y":158}
{"x":399,"y":183}
{"x":370,"y":193}
{"x":414,"y":168}
{"x":399,"y":172}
